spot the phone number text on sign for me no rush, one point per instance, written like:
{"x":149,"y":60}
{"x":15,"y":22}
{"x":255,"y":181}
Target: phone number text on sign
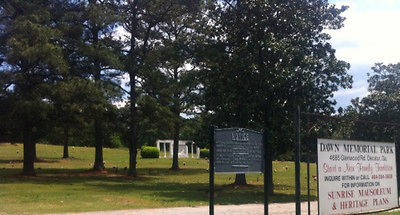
{"x":356,"y":176}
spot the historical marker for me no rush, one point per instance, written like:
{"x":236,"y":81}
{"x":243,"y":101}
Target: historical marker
{"x":238,"y":150}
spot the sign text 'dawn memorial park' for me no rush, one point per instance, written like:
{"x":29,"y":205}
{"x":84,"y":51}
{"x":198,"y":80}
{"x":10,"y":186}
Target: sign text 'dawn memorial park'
{"x":355,"y":176}
{"x":238,"y":150}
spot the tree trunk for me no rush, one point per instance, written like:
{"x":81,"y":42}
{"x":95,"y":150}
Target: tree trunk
{"x":34,"y":151}
{"x":29,"y":151}
{"x":175,"y":162}
{"x":133,"y":135}
{"x":66,"y":140}
{"x":98,"y":136}
{"x":98,"y":127}
{"x":269,"y":114}
{"x":269,"y":173}
{"x":177,"y":126}
{"x":132,"y":161}
{"x":132,"y":68}
{"x":240,"y":180}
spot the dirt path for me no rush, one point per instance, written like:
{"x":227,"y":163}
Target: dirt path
{"x":249,"y":209}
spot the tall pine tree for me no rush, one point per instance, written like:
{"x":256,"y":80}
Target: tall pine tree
{"x":32,"y":60}
{"x":99,"y":57}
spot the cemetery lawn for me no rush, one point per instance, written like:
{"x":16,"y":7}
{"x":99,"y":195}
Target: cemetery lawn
{"x":68,"y":185}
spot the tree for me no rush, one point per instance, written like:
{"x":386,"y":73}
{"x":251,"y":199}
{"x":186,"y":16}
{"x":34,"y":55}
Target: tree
{"x":264,"y":58}
{"x":70,"y":91}
{"x":382,"y":104}
{"x":179,"y":83}
{"x":138,"y":27}
{"x":74,"y":102}
{"x":98,"y":53}
{"x":142,"y":23}
{"x":154,"y":120}
{"x":32,"y":60}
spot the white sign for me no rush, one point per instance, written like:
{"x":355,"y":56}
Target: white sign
{"x":356,"y":177}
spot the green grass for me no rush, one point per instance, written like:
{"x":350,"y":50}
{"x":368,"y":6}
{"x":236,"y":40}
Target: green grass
{"x":68,"y":185}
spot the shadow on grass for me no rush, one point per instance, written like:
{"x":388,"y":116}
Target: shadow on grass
{"x":58,"y":175}
{"x":199,"y":192}
{"x":39,"y":160}
{"x":149,"y":185}
{"x":10,"y":161}
{"x":166,"y":171}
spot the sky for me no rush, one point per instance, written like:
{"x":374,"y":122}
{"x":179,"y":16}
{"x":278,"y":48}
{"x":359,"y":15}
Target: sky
{"x":370,"y":35}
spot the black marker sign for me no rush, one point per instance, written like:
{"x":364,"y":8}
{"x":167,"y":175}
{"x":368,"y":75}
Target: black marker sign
{"x":238,"y":150}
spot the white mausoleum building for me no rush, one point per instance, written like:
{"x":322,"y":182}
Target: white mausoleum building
{"x":183,"y":149}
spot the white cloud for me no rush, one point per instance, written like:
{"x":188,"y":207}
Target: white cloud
{"x":370,"y":35}
{"x":356,"y":91}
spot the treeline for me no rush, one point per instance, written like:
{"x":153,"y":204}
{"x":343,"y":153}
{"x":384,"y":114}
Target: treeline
{"x":375,"y":117}
{"x":178,"y":66}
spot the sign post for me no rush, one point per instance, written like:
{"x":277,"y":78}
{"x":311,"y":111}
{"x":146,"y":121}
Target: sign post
{"x":235,"y":150}
{"x":297,"y":152}
{"x":267,"y":181}
{"x":356,"y":177}
{"x":211,"y":170}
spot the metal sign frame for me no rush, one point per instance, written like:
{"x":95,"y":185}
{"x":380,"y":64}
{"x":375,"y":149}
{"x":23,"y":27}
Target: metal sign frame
{"x":260,"y":139}
{"x":238,"y":151}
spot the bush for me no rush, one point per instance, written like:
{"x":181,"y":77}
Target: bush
{"x":149,"y":152}
{"x":204,"y":153}
{"x":287,"y":156}
{"x":114,"y":141}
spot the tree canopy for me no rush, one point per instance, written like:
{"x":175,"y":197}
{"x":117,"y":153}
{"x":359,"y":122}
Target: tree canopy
{"x":228,"y":63}
{"x":375,"y":117}
{"x":271,"y":56}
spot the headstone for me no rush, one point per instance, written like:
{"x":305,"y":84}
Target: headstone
{"x":183,"y":151}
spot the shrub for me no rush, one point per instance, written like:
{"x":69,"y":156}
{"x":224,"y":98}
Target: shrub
{"x":149,"y":152}
{"x":114,"y":141}
{"x":204,"y":153}
{"x":287,"y":156}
